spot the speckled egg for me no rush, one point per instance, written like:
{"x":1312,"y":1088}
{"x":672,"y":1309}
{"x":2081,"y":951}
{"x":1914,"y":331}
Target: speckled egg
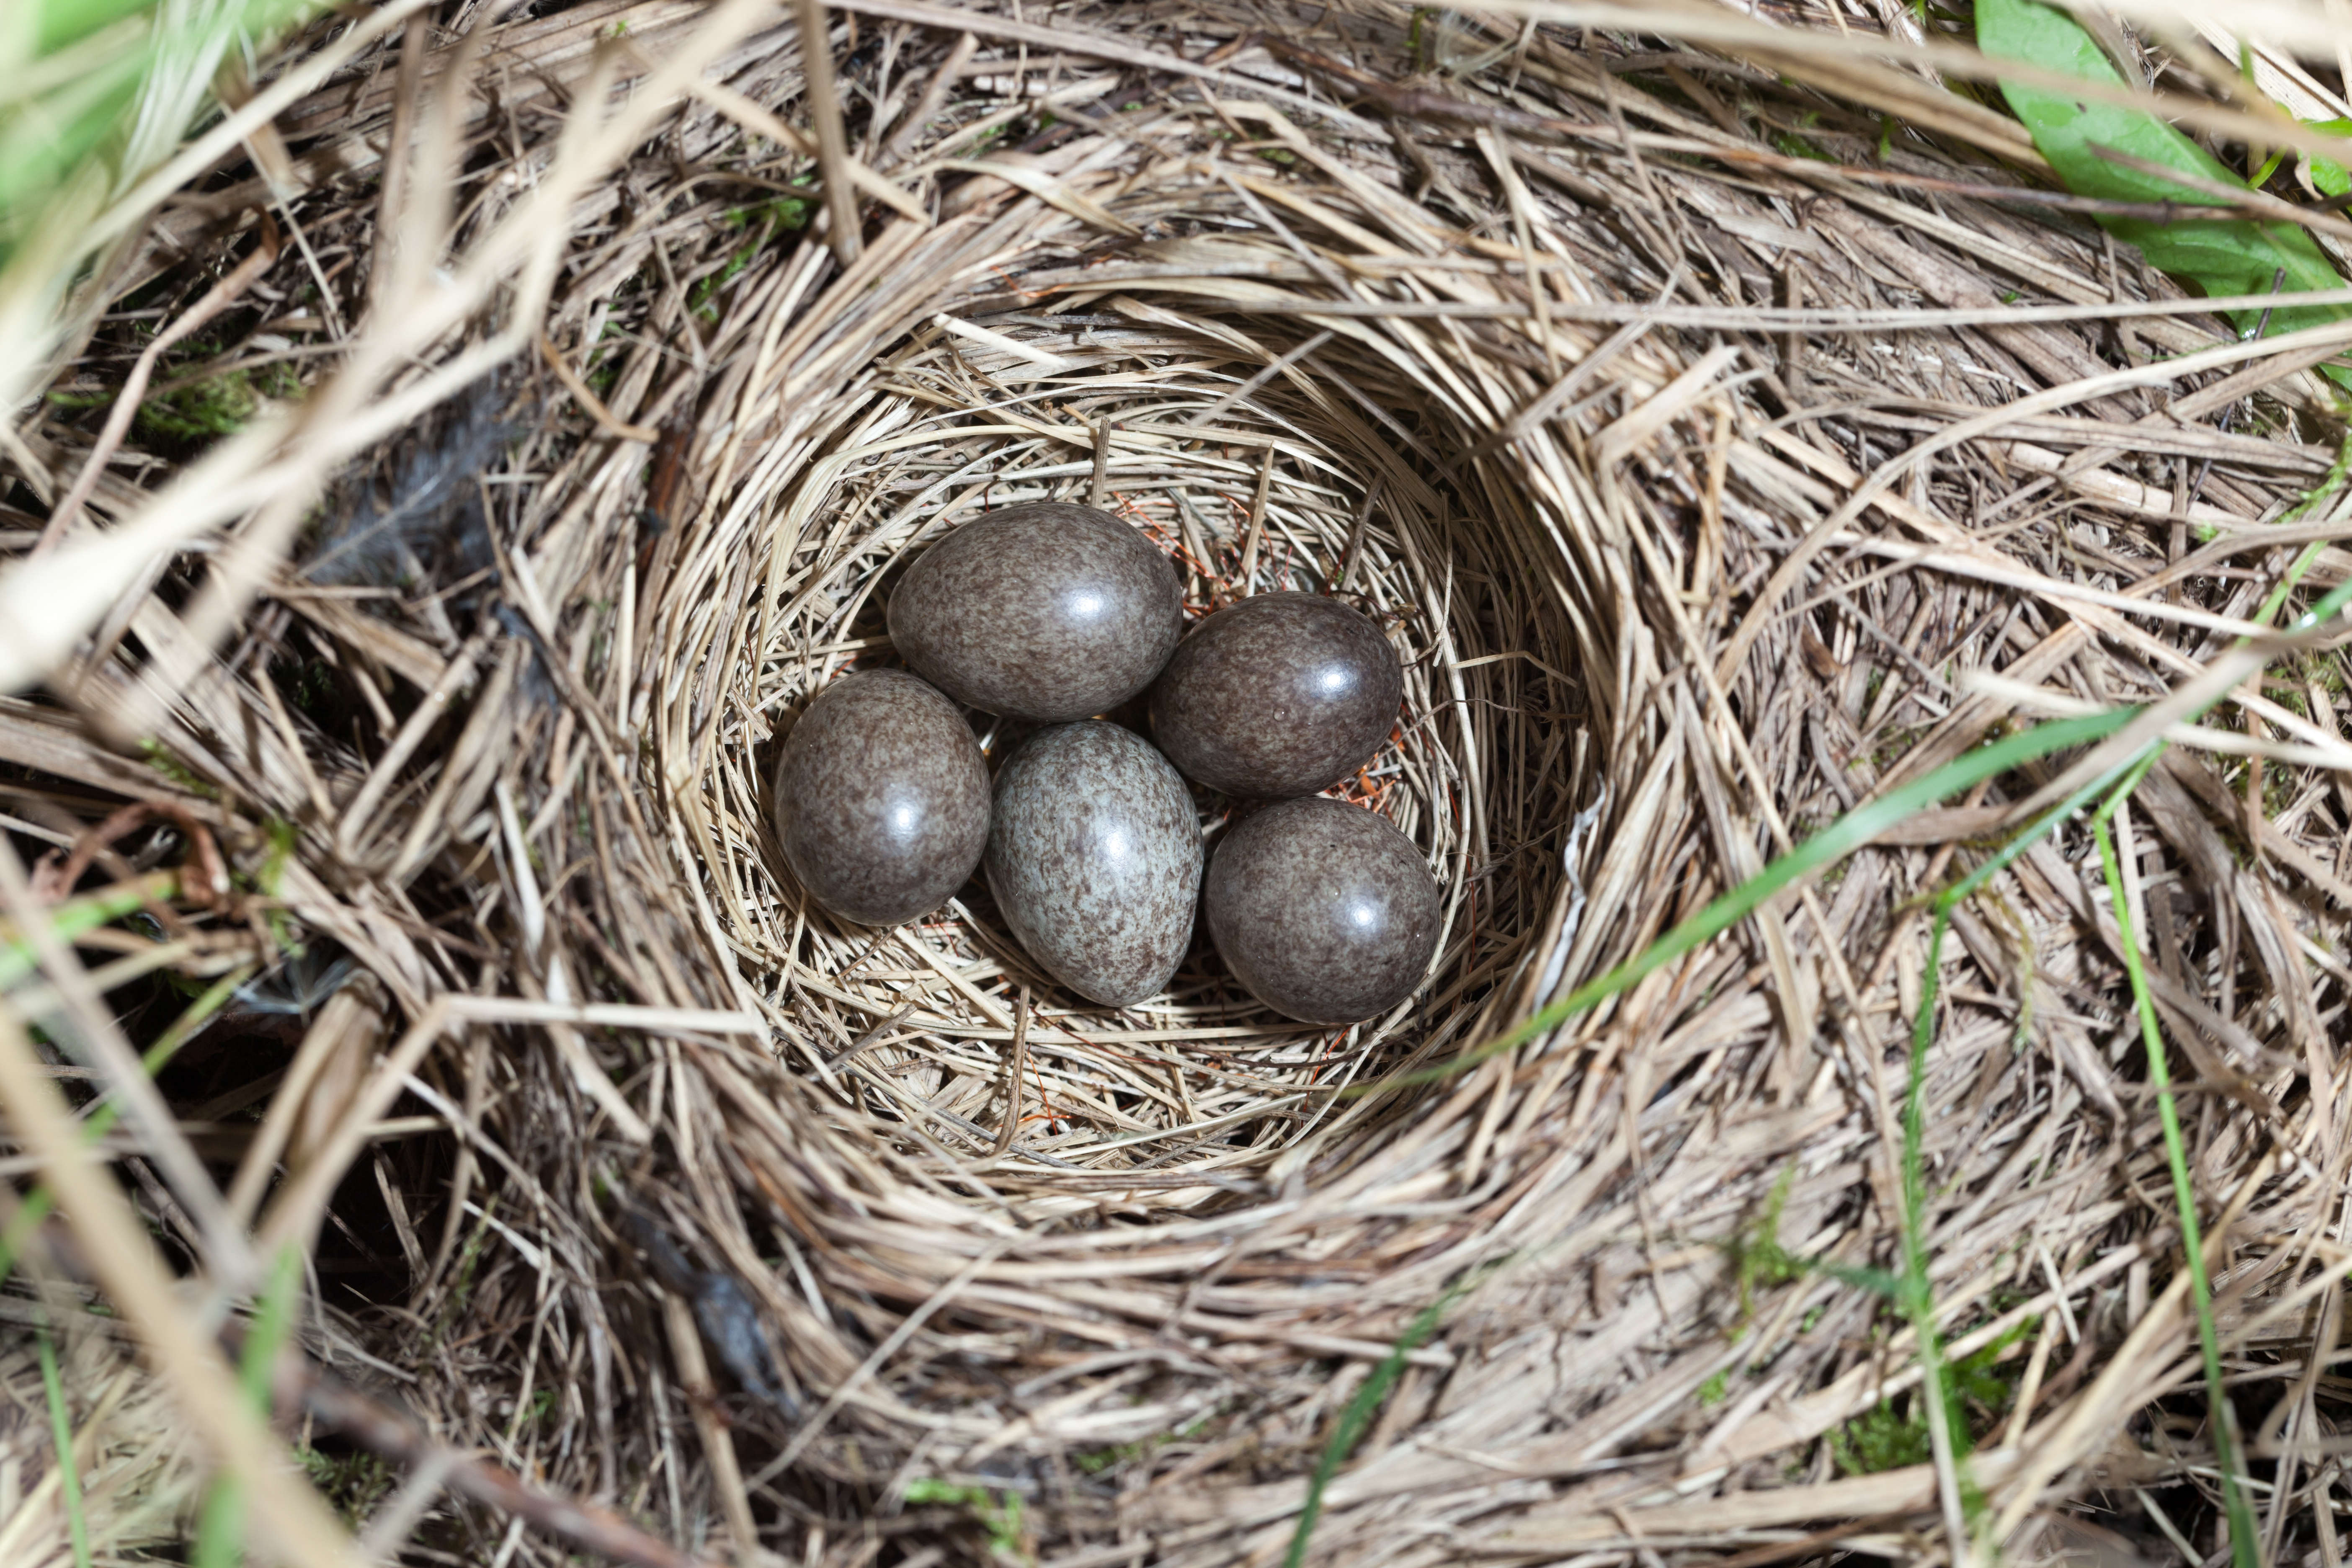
{"x":1281,"y":694}
{"x":1323,"y":909}
{"x":1094,"y":855}
{"x":1045,"y":611}
{"x":881,"y":798}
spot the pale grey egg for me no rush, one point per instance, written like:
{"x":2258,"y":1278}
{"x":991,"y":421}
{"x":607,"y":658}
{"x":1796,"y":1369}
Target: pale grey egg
{"x":1094,"y":855}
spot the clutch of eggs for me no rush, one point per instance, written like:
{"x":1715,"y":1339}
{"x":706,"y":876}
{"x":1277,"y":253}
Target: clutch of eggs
{"x":1089,"y":840}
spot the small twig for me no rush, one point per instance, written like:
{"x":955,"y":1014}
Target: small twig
{"x":1266,"y":373}
{"x":392,"y":194}
{"x":873,"y":1036}
{"x":1804,"y":1545}
{"x":208,"y":889}
{"x":1099,"y":488}
{"x":1402,"y":101}
{"x":587,"y":398}
{"x":1012,"y":1125}
{"x":134,"y":388}
{"x":1356,"y":534}
{"x":746,"y":112}
{"x":710,"y":1425}
{"x":942,"y":82}
{"x":1256,"y":521}
{"x":390,"y":1527}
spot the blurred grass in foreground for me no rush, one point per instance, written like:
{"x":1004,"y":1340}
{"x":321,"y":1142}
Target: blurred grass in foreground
{"x":94,"y":96}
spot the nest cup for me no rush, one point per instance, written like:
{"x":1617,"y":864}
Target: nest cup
{"x":999,"y":1147}
{"x":1248,"y":490}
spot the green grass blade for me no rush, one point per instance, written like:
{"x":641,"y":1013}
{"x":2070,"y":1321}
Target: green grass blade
{"x":77,"y":917}
{"x":272,"y":1323}
{"x":2245,"y":1549}
{"x":96,"y":97}
{"x":61,"y":1428}
{"x":2295,"y":574}
{"x":1916,"y":1292}
{"x":1842,"y":837}
{"x":1913,"y":1288}
{"x":220,"y":1530}
{"x":2326,"y":610}
{"x":1361,"y":1409}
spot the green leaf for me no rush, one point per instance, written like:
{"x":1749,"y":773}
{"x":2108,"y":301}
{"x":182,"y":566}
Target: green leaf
{"x":61,"y":22}
{"x":2219,"y":256}
{"x":2330,"y":176}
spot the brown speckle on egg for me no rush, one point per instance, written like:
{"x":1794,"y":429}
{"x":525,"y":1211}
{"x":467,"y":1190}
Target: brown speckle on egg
{"x":1281,"y":694}
{"x":1047,"y":611}
{"x":1322,"y":910}
{"x":1094,"y":855}
{"x":881,"y":798}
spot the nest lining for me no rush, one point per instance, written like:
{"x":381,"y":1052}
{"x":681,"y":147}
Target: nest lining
{"x":1203,"y":1065}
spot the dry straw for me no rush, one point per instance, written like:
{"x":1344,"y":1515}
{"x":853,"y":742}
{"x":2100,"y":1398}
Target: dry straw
{"x":1720,"y":447}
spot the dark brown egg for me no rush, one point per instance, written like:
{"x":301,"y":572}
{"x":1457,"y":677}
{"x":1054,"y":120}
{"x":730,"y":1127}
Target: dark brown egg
{"x":1281,"y":694}
{"x":1047,"y":611}
{"x":881,"y":798}
{"x":1324,"y":910}
{"x":1094,"y":855}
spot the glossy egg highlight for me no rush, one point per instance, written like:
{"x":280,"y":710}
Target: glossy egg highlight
{"x":1047,"y":611}
{"x":1279,"y":695}
{"x":882,"y":798}
{"x":1322,"y":910}
{"x":1094,"y":855}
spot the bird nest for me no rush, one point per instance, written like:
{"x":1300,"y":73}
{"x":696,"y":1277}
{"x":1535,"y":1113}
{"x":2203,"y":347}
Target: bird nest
{"x":1661,"y":452}
{"x":1199,"y":1091}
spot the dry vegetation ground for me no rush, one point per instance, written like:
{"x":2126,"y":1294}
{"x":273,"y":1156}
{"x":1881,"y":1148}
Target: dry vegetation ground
{"x":1723,"y":450}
